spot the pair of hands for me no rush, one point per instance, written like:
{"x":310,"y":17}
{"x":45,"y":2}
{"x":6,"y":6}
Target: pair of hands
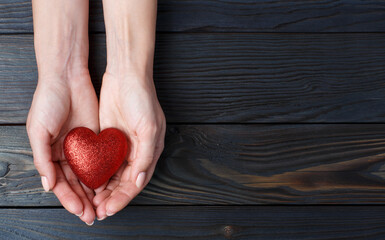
{"x":127,"y":102}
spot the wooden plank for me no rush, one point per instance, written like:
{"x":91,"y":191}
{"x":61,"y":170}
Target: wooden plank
{"x":232,"y":16}
{"x":235,"y":77}
{"x":200,"y":222}
{"x":235,"y":164}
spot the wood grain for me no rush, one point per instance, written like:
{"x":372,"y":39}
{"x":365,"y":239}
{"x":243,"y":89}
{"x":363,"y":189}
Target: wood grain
{"x":200,"y":222}
{"x":222,"y":78}
{"x":235,"y":164}
{"x":232,"y":16}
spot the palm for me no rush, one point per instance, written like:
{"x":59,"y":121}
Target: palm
{"x":134,"y":109}
{"x":57,"y":109}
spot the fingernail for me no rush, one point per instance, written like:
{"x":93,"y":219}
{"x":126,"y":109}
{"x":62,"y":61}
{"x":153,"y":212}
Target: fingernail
{"x":79,"y":215}
{"x":101,"y":219}
{"x":90,"y":224}
{"x":110,"y":214}
{"x":44,"y":182}
{"x":140,"y":179}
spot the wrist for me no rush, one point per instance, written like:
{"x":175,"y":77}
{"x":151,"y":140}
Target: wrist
{"x":128,"y":53}
{"x":130,"y":36}
{"x":67,"y":53}
{"x":66,"y":79}
{"x":60,"y":36}
{"x":129,"y":68}
{"x":131,"y":81}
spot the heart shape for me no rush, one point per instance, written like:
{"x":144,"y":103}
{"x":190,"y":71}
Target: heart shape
{"x":95,"y":158}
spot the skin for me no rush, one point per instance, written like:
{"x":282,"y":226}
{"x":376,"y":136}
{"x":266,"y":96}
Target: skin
{"x":65,"y":99}
{"x":128,"y":99}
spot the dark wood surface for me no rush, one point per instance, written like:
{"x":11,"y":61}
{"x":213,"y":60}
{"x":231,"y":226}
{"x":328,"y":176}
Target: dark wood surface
{"x":235,"y":164}
{"x":242,"y":84}
{"x":192,"y":222}
{"x":221,"y":78}
{"x":232,"y":15}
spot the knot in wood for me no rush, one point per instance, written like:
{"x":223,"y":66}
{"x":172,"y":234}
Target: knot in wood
{"x":4,"y":168}
{"x":228,"y":231}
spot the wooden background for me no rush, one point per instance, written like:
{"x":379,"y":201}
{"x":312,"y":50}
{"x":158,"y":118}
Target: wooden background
{"x":275,"y":110}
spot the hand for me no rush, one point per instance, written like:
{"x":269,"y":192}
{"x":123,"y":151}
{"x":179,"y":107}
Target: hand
{"x":129,"y":103}
{"x":60,"y":104}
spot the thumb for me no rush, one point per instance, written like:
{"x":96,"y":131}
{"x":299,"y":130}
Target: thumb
{"x":40,"y":141}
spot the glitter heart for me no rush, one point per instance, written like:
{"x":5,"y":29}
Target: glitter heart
{"x":95,"y":158}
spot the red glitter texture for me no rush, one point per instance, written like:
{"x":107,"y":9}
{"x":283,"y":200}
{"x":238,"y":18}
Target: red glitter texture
{"x":95,"y":158}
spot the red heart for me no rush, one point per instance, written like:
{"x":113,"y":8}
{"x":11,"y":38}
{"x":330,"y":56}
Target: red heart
{"x":95,"y":158}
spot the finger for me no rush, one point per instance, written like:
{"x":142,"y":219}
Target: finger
{"x":144,"y":156}
{"x":110,"y":192}
{"x":151,"y":171}
{"x":123,"y":193}
{"x":57,"y":150}
{"x":121,"y":196}
{"x":89,"y":192}
{"x":127,"y":189}
{"x":101,"y":188}
{"x":101,"y":210}
{"x":133,"y":146}
{"x":141,"y":171}
{"x":158,"y":150}
{"x":101,"y":195}
{"x":40,"y":140}
{"x":88,"y":211}
{"x":160,"y":142}
{"x":67,"y":197}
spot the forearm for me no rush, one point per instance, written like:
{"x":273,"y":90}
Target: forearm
{"x":60,"y":36}
{"x":130,"y":35}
